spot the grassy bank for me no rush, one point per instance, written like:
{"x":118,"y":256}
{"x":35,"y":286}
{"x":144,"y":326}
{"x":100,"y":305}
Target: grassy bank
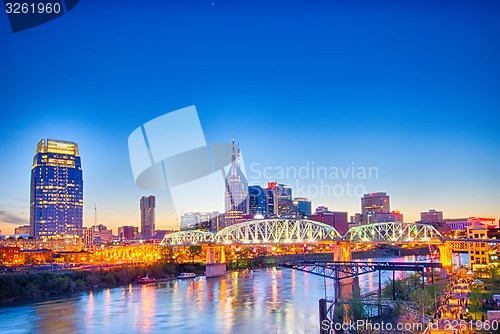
{"x":18,"y":286}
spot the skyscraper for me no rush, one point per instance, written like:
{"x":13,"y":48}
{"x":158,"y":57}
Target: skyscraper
{"x":336,"y":219}
{"x":375,"y":202}
{"x":256,"y":200}
{"x":284,"y":192}
{"x":56,"y":201}
{"x":432,"y":216}
{"x":127,"y":232}
{"x":236,"y":194}
{"x":196,"y":221}
{"x":276,"y":194}
{"x":148,"y":205}
{"x":303,"y":206}
{"x":271,"y":202}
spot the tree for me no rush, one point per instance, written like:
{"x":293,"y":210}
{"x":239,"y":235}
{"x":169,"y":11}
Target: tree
{"x":356,"y":308}
{"x":194,"y":252}
{"x":493,"y":273}
{"x":339,"y":312}
{"x":165,"y":254}
{"x":476,"y":294}
{"x":421,"y":299}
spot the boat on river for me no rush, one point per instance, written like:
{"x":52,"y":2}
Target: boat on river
{"x":186,"y":275}
{"x":146,"y":280}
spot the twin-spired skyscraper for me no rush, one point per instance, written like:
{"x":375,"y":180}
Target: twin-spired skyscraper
{"x":56,"y":201}
{"x":236,"y":192}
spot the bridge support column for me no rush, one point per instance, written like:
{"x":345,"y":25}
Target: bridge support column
{"x":342,"y":252}
{"x":323,"y":316}
{"x":356,"y":290}
{"x":446,"y":259}
{"x":216,"y":261}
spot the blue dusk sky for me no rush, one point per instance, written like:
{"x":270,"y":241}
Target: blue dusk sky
{"x":409,"y":89}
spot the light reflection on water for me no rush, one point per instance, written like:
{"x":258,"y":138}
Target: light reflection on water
{"x":277,"y":301}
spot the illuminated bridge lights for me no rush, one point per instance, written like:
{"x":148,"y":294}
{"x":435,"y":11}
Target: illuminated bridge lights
{"x":277,"y":231}
{"x":292,"y":231}
{"x":394,"y":232}
{"x":188,"y":238}
{"x":267,"y":231}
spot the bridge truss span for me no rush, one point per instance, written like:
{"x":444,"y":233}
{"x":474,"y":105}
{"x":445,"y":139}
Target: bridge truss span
{"x":274,"y":231}
{"x":394,"y":232}
{"x":192,"y":237}
{"x":294,"y":231}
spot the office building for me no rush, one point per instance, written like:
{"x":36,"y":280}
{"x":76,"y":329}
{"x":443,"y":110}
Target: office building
{"x":303,"y":207}
{"x":236,"y":193}
{"x":25,"y":229}
{"x":275,"y":194}
{"x":385,"y":217}
{"x":271,"y":202}
{"x":336,"y":219}
{"x":128,"y":232}
{"x":356,"y":220}
{"x":190,"y":220}
{"x":283,"y":192}
{"x":488,"y":222}
{"x":56,"y":202}
{"x":478,"y":252}
{"x":202,"y":221}
{"x":256,"y":200}
{"x":217,"y":221}
{"x":105,"y":235}
{"x":88,"y":237}
{"x":10,"y":255}
{"x":148,"y":205}
{"x":375,"y":202}
{"x":431,"y":216}
{"x":287,"y":208}
{"x":458,"y":224}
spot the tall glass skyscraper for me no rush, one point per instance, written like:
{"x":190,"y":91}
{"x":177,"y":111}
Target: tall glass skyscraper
{"x":256,"y":200}
{"x":56,"y":205}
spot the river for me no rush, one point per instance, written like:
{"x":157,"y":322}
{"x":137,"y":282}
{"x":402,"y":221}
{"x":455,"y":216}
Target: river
{"x":271,"y":301}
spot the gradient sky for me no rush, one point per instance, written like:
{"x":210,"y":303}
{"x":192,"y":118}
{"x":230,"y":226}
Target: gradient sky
{"x":409,"y":87}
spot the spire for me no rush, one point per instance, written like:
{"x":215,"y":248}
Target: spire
{"x":233,"y":162}
{"x":238,"y":161}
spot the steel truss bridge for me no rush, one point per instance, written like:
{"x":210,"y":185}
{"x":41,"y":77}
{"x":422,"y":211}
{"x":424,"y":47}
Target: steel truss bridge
{"x":296,"y":231}
{"x":394,"y":232}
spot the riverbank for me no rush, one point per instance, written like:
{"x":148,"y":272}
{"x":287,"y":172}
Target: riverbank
{"x":24,"y":286}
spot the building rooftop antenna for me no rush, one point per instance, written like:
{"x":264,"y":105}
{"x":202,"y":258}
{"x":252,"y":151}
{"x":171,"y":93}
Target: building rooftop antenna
{"x":95,"y":215}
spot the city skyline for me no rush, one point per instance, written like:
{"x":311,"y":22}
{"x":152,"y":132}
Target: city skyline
{"x":413,"y":95}
{"x":91,"y":221}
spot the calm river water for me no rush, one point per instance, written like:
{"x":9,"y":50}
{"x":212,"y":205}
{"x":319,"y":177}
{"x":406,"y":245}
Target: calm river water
{"x":273,"y":301}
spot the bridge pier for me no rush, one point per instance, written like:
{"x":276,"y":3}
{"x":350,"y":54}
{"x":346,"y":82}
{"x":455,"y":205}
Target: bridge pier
{"x":348,"y":286}
{"x":216,"y":261}
{"x":342,"y":251}
{"x":446,"y":259}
